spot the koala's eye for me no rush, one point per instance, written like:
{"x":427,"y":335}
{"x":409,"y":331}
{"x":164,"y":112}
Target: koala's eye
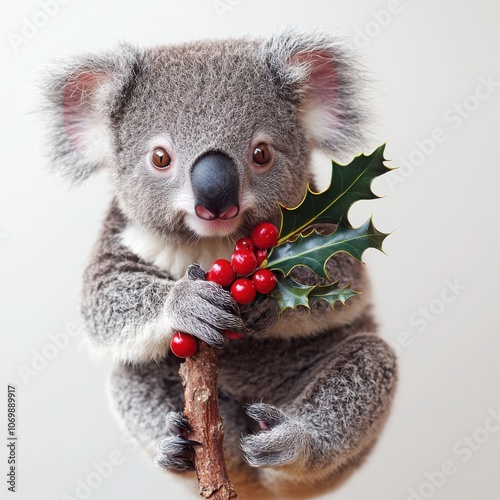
{"x":160,"y":158}
{"x":262,"y":154}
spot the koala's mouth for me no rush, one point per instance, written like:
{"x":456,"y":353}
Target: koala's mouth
{"x":213,"y":227}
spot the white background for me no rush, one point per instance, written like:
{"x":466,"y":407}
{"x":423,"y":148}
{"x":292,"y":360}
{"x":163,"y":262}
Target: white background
{"x":428,"y":57}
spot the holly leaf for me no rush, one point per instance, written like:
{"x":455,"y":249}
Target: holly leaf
{"x":289,"y":294}
{"x":331,"y":293}
{"x":300,"y":243}
{"x":348,"y":184}
{"x":314,"y":249}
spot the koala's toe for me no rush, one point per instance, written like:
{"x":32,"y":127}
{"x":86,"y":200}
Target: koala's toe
{"x":283,"y":443}
{"x":202,"y":330}
{"x":266,"y":449}
{"x":177,"y":425}
{"x":195,"y":272}
{"x":215,"y":295}
{"x":209,"y":335}
{"x":219,"y":318}
{"x":267,"y":416}
{"x":176,"y":454}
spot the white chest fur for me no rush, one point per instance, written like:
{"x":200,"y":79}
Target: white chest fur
{"x":173,"y":258}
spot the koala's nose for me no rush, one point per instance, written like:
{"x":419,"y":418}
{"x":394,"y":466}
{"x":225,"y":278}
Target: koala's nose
{"x":216,"y":187}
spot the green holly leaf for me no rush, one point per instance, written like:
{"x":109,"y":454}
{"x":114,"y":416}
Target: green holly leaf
{"x":314,"y":249}
{"x":290,"y":294}
{"x":301,"y":244}
{"x":331,"y":293}
{"x":348,"y":184}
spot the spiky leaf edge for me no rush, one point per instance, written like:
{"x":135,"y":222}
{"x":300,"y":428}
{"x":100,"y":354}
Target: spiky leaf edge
{"x":315,"y":241}
{"x":375,"y":162}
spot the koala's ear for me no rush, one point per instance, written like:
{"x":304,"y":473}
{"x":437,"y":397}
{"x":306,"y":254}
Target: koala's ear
{"x":80,"y":97}
{"x":320,"y":73}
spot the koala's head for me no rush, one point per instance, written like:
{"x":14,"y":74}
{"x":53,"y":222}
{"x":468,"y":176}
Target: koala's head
{"x":203,"y":139}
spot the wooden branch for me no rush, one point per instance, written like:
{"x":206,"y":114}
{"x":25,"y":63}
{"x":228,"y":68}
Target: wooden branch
{"x":199,"y":379}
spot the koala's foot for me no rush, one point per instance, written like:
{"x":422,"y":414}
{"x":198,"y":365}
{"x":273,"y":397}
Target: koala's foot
{"x":176,"y":453}
{"x":281,"y":440}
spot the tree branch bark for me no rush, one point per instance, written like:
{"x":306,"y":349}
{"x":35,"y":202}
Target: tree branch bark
{"x":199,"y":378}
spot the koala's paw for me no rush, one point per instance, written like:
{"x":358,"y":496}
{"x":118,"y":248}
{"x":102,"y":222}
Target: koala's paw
{"x":202,"y":308}
{"x":281,"y":441}
{"x":176,"y":453}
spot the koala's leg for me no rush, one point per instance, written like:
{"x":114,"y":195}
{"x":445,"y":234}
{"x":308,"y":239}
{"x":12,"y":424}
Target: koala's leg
{"x":333,"y":421}
{"x":149,"y":399}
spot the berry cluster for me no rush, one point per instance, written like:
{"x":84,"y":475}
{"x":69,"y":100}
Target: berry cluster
{"x":240,"y":277}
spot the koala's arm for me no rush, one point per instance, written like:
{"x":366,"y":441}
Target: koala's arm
{"x":132,"y":307}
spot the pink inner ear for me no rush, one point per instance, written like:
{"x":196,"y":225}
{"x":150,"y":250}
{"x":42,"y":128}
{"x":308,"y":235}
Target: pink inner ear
{"x":322,"y":77}
{"x":77,"y":95}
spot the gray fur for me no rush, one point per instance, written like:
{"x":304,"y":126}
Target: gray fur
{"x":177,"y":424}
{"x":319,"y":381}
{"x":351,"y":107}
{"x":176,"y":453}
{"x":118,"y":71}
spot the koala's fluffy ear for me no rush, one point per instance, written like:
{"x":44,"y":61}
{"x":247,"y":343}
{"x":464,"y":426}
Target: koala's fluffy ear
{"x":80,"y":96}
{"x":320,"y":73}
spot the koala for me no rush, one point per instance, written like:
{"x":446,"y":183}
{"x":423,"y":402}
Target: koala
{"x":201,"y":140}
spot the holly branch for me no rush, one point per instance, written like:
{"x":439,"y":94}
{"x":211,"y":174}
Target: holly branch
{"x":298,"y":242}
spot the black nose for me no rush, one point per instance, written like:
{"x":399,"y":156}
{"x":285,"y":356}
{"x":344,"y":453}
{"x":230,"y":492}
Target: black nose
{"x":216,"y":187}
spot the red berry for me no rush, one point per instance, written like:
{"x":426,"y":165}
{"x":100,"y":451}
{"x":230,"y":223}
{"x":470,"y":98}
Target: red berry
{"x":261,"y":256}
{"x":265,"y":235}
{"x":183,"y":345}
{"x":264,"y":281}
{"x":245,"y":244}
{"x":232,"y":335}
{"x":243,"y":291}
{"x":221,"y":272}
{"x":244,"y":261}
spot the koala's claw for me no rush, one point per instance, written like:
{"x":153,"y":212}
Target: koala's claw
{"x":282,"y":440}
{"x":176,"y":454}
